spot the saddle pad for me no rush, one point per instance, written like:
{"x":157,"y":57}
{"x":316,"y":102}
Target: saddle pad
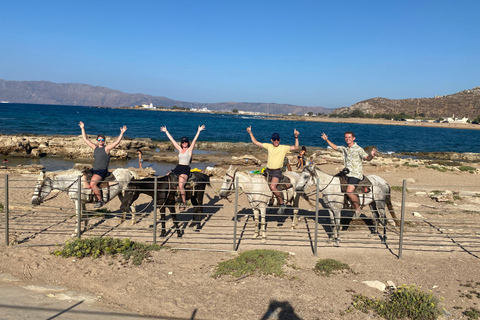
{"x":283,"y":184}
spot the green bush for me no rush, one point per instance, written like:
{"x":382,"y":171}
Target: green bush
{"x":325,"y":267}
{"x":405,"y":302}
{"x":467,"y":168}
{"x":472,"y":313}
{"x":98,"y":246}
{"x":259,"y":261}
{"x":1,"y":207}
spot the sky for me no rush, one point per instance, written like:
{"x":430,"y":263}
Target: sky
{"x":327,"y":54}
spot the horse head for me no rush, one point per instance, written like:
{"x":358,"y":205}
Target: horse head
{"x":228,"y":182}
{"x":42,"y":189}
{"x":129,"y":196}
{"x":307,"y":178}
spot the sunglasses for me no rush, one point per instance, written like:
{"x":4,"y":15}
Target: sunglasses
{"x":101,"y":139}
{"x":275,"y":139}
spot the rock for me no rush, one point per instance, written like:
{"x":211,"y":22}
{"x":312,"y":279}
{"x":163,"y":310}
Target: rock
{"x":391,"y":285}
{"x":245,"y":160}
{"x":416,"y":214}
{"x":375,"y":284}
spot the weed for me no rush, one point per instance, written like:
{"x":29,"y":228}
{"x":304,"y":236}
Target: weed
{"x":405,"y":302}
{"x":407,"y":164}
{"x":441,"y":169}
{"x":325,"y":267}
{"x":98,"y":246}
{"x":260,"y":261}
{"x":397,"y":188}
{"x":1,"y":207}
{"x":472,"y":313}
{"x":455,"y":197}
{"x":467,"y":168}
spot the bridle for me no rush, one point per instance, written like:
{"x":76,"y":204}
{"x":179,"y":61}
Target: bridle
{"x":39,"y":196}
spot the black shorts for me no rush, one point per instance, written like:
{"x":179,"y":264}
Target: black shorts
{"x":353,"y":181}
{"x":275,"y":173}
{"x":182,"y":169}
{"x":102,"y":173}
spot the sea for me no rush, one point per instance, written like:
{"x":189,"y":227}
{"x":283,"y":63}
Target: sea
{"x":16,"y":118}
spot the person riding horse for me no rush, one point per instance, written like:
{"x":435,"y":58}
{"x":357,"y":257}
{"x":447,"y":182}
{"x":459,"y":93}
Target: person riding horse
{"x":353,"y":155}
{"x":276,"y":156}
{"x":101,"y":155}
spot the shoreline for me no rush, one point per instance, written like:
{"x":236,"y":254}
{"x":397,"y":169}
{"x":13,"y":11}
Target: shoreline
{"x":382,"y":122}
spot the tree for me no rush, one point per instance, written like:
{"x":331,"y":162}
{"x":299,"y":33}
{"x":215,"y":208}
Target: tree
{"x":235,"y":111}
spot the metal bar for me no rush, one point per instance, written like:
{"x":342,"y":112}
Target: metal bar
{"x":402,"y":220}
{"x":7,"y":218}
{"x":155,"y":211}
{"x":79,"y":207}
{"x":316,"y":218}
{"x":235,"y":216}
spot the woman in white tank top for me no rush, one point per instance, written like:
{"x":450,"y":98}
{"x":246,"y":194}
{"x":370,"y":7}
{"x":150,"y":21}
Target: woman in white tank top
{"x":185,"y":151}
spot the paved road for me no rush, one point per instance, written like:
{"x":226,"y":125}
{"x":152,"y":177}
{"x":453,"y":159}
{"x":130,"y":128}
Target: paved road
{"x":20,"y":301}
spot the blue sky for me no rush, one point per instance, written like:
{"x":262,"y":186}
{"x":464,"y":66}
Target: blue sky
{"x":312,"y":53}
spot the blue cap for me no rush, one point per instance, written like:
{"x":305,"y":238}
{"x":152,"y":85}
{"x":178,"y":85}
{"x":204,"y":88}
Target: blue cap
{"x":275,"y":136}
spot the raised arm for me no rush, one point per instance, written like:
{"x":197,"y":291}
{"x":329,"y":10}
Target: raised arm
{"x":372,"y":154}
{"x":84,"y":136}
{"x":175,"y":144}
{"x":297,"y":145}
{"x":116,"y":142}
{"x":192,"y":145}
{"x":255,"y":142}
{"x":330,"y":143}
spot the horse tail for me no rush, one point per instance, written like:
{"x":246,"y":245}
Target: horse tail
{"x":388,"y":202}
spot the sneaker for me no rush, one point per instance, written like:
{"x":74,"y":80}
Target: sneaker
{"x":99,"y":204}
{"x":282,"y":208}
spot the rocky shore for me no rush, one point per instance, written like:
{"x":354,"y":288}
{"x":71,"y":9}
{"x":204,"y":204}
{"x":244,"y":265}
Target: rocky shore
{"x":220,"y":153}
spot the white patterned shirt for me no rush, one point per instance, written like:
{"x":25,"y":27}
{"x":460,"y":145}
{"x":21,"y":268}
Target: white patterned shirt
{"x":352,"y":159}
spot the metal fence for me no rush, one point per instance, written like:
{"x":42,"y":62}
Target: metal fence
{"x":422,"y":223}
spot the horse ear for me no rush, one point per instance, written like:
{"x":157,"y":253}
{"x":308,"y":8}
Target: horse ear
{"x":230,"y":168}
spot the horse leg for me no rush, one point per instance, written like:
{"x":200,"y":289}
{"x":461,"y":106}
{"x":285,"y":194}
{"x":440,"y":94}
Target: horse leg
{"x":163,"y":218}
{"x":337,"y":225}
{"x":133,"y":210}
{"x":263,"y":213}
{"x":197,"y":203}
{"x":175,"y":222}
{"x":256,"y":221}
{"x":295,"y":211}
{"x":381,"y":216}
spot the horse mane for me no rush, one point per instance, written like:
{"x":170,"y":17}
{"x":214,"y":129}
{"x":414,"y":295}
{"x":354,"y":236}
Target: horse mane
{"x":53,"y":174}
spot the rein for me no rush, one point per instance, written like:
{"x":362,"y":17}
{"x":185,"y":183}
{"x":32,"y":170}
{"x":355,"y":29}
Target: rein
{"x":61,"y":191}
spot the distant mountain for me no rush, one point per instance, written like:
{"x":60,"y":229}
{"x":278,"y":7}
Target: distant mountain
{"x":462,"y":104}
{"x":44,"y":92}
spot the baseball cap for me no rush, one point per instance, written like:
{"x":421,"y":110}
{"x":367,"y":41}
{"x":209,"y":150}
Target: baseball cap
{"x":275,"y":136}
{"x":184,"y":139}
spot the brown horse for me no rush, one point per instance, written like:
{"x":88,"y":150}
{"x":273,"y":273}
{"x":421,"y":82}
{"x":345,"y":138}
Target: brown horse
{"x":166,"y":194}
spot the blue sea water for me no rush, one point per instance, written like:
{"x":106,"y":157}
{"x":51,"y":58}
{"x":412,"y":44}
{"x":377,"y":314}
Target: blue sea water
{"x":63,"y":120}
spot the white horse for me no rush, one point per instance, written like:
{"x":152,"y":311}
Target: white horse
{"x":259,"y":194}
{"x":378,"y":199}
{"x":67,"y":181}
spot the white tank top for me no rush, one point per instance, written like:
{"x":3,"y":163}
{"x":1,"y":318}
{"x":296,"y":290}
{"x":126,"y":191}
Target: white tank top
{"x":184,"y":158}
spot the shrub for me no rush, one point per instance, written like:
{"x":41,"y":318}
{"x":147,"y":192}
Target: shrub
{"x":467,"y":168}
{"x":259,"y":261}
{"x":472,"y":313}
{"x":405,"y":302}
{"x":325,"y":267}
{"x":98,"y":246}
{"x":1,"y":207}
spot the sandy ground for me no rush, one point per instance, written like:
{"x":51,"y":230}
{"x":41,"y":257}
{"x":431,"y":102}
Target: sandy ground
{"x":441,"y":254}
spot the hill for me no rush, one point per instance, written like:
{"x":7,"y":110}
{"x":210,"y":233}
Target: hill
{"x":462,"y":104}
{"x":45,"y":92}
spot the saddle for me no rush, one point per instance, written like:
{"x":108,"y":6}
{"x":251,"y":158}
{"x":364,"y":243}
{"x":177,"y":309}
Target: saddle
{"x":283,"y":184}
{"x":103,"y":185}
{"x":362,"y":188}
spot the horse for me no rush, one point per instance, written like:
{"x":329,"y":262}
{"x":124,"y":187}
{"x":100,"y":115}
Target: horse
{"x":378,"y":199}
{"x":259,"y":195}
{"x":67,"y":181}
{"x":166,"y":194}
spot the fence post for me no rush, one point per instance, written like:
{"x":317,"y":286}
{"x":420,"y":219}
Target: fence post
{"x":402,"y":220}
{"x":79,"y":207}
{"x":155,"y":210}
{"x":7,"y":218}
{"x":235,"y":216}
{"x":316,"y":219}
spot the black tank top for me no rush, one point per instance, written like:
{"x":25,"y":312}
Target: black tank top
{"x":102,"y":159}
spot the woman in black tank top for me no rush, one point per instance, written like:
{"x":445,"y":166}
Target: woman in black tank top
{"x":101,"y":155}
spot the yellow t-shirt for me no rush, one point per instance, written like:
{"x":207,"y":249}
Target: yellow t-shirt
{"x":276,"y":155}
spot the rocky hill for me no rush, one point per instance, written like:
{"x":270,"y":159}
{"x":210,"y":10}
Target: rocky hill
{"x":44,"y":92}
{"x":462,"y":104}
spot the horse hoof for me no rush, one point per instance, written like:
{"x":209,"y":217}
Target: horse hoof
{"x":336,"y":244}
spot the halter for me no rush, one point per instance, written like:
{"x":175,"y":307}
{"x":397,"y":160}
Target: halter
{"x":333,"y":177}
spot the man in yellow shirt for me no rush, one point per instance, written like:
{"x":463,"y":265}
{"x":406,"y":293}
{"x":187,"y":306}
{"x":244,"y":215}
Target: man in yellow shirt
{"x":276,"y":155}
